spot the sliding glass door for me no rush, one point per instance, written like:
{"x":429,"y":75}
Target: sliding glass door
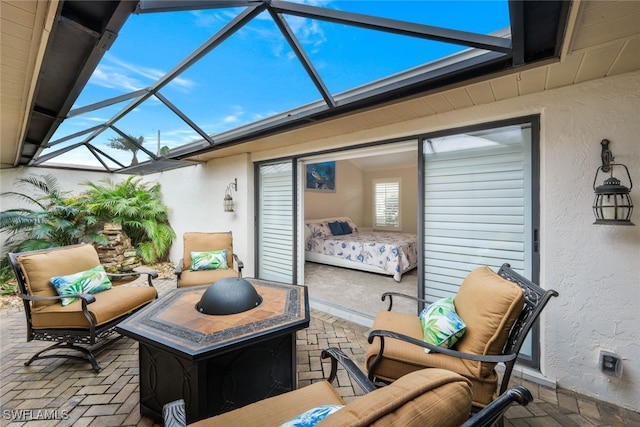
{"x":275,"y":222}
{"x":480,"y":205}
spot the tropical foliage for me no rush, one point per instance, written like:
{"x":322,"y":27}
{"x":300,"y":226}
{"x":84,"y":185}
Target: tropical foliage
{"x":49,"y":219}
{"x":138,"y":207}
{"x":126,"y":144}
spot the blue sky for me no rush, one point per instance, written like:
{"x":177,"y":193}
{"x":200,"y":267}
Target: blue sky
{"x":254,"y":74}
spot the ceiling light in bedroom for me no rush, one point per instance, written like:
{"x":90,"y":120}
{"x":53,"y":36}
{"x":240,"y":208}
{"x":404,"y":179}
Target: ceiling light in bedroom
{"x":228,"y":200}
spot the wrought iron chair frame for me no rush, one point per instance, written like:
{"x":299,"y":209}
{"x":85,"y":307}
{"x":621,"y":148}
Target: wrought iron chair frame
{"x":95,"y":338}
{"x":535,"y":299}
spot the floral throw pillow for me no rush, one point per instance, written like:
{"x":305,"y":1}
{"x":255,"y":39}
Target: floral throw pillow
{"x":313,"y":416}
{"x":441,"y":324}
{"x":209,"y":260}
{"x":89,"y":281}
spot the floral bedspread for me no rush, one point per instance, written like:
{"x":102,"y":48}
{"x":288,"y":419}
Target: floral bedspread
{"x":395,"y":253}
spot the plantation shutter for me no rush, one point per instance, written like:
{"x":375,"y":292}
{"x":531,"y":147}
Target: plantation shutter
{"x":477,"y":205}
{"x":276,"y":222}
{"x":386,"y":204}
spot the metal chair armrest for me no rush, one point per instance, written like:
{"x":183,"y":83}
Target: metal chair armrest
{"x":491,"y":413}
{"x":179,"y":268}
{"x":338,"y":356}
{"x":87,"y":298}
{"x":497,"y":358}
{"x":238,"y":262}
{"x":150,"y":275}
{"x":401,"y":295}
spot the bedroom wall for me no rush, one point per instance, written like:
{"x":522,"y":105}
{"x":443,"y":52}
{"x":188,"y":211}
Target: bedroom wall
{"x":408,"y":191}
{"x":346,"y":201}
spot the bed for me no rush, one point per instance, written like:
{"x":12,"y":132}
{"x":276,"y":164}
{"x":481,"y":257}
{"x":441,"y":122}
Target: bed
{"x":388,"y":253}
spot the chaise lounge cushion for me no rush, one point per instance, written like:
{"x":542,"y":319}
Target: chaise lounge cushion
{"x":429,"y":397}
{"x":487,"y":303}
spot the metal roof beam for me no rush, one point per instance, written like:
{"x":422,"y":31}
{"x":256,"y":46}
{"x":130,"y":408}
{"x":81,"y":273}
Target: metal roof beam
{"x":302,"y":57}
{"x":225,"y":32}
{"x":446,"y":35}
{"x":106,"y":102}
{"x":186,"y":119}
{"x":153,"y":6}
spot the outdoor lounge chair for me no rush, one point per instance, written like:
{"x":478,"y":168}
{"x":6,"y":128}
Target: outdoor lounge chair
{"x":428,"y":397}
{"x":86,"y":324}
{"x":189,"y":273}
{"x":498,"y":309}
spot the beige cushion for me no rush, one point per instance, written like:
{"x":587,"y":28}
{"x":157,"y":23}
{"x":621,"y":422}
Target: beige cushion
{"x":204,"y":277}
{"x":401,"y":358}
{"x":41,"y":267}
{"x":487,"y":303}
{"x":430,"y":397}
{"x":200,"y":242}
{"x":278,"y":409}
{"x":109,"y":305}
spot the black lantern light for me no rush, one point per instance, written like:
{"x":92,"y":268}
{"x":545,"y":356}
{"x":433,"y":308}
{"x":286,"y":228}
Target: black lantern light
{"x":612,"y":204}
{"x":228,"y":200}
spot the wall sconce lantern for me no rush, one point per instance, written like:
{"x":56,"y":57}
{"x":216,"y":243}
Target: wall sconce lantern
{"x":228,"y":200}
{"x":612,"y":204}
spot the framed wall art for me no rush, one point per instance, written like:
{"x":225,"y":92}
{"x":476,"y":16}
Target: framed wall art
{"x":321,"y":177}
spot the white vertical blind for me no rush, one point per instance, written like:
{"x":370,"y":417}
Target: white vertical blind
{"x":275,"y":222}
{"x":386,"y":199}
{"x":477,"y":206}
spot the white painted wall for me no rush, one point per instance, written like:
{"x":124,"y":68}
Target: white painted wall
{"x":596,"y":269}
{"x":195,"y":197}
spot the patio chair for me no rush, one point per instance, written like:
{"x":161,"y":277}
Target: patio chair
{"x":499,"y":310}
{"x":428,"y":397}
{"x":74,"y":317}
{"x":204,"y":262}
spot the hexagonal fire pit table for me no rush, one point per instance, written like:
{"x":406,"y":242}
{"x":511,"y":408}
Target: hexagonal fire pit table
{"x":217,"y":362}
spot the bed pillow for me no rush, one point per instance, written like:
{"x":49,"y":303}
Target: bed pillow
{"x":346,"y":228}
{"x":336,"y":228}
{"x":313,"y":416}
{"x":209,"y":260}
{"x":319,"y":229}
{"x":90,"y":281}
{"x":441,"y":324}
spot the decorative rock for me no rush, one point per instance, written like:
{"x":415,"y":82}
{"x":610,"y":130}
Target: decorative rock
{"x":118,"y":255}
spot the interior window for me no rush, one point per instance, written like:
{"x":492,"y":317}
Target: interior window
{"x":386,"y":200}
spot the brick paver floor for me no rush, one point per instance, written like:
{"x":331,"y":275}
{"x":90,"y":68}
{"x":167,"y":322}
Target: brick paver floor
{"x":59,"y":392}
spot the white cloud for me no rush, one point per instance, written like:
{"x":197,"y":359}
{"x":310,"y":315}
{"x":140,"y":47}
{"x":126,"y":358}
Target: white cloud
{"x":114,"y":73}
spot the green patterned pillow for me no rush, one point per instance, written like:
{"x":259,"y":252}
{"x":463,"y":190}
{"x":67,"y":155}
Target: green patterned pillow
{"x":313,"y":416}
{"x":441,"y":324}
{"x":209,"y":260}
{"x":89,"y":281}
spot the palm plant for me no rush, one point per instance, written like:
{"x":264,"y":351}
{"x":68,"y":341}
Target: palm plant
{"x":49,"y":219}
{"x":125,"y":144}
{"x":139,"y":208}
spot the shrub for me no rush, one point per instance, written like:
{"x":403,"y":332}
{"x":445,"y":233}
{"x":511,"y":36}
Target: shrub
{"x":139,"y":208}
